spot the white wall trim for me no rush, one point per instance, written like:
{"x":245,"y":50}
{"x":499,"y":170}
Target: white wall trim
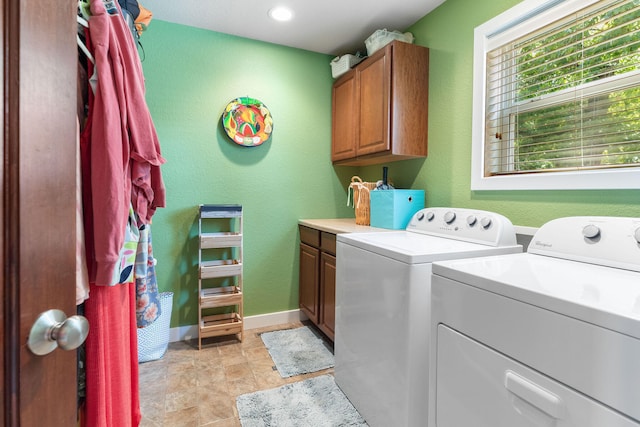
{"x":183,"y":333}
{"x":189,"y":332}
{"x":521,"y":19}
{"x":272,"y":319}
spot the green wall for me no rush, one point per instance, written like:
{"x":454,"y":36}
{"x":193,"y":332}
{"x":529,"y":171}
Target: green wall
{"x":446,"y":173}
{"x":191,"y":74}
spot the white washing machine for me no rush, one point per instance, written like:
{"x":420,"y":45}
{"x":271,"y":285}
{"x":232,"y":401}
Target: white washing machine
{"x":550,"y":337}
{"x":383,"y":302}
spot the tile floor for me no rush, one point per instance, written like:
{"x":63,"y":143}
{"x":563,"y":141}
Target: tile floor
{"x":195,"y":388}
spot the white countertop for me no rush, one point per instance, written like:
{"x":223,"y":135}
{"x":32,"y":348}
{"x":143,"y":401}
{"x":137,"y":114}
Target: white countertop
{"x":339,"y":225}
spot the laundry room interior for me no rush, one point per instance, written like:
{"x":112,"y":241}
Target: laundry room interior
{"x":191,"y":74}
{"x":504,"y":197}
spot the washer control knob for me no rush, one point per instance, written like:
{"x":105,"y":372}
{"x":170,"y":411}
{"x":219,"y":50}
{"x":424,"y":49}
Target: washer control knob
{"x":449,"y":217}
{"x":420,"y":216}
{"x":637,"y":235}
{"x":590,"y":231}
{"x":485,"y":222}
{"x":430,"y":216}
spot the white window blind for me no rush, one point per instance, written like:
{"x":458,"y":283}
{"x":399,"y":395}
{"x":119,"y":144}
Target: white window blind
{"x":564,"y":94}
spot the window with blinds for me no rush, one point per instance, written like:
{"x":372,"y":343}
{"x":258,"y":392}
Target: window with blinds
{"x":562,"y":92}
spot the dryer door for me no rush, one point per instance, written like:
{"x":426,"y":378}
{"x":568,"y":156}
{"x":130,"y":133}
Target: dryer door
{"x":477,"y":386}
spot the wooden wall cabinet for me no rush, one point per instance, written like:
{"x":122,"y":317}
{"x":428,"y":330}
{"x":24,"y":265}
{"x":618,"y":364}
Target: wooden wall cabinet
{"x":380,"y":109}
{"x":318,"y":278}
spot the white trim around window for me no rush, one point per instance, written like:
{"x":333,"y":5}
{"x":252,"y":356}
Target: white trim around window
{"x":516,"y":22}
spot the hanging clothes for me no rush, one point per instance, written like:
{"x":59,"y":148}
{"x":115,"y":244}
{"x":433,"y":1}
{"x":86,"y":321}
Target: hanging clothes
{"x":143,"y":20}
{"x":125,"y":151}
{"x":82,"y":276}
{"x":122,"y":188}
{"x":148,"y":307}
{"x":131,"y":6}
{"x":112,"y":386}
{"x":124,"y":268}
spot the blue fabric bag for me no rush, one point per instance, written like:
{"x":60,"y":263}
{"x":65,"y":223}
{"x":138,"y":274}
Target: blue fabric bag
{"x":153,"y":341}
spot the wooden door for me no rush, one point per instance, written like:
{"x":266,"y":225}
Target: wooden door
{"x":309,"y":281}
{"x":328,"y":294}
{"x":374,"y":87}
{"x":38,"y":215}
{"x":344,"y":118}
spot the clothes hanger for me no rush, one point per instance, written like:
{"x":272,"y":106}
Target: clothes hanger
{"x":81,"y":45}
{"x":84,"y":9}
{"x":85,"y":23}
{"x":84,"y":49}
{"x":83,"y":19}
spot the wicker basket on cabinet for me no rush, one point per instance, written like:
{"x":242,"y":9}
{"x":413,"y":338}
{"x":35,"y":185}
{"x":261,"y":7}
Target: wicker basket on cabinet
{"x":361,"y":199}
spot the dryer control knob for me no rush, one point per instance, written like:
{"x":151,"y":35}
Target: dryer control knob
{"x":420,"y":216}
{"x":590,"y":231}
{"x":486,"y":222}
{"x":471,"y":220}
{"x":637,"y":235}
{"x":449,"y":217}
{"x":430,"y":216}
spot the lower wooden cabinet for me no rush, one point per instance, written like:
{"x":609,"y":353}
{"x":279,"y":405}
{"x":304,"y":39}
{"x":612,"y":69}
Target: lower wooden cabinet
{"x":327,"y":321}
{"x":318,"y":278}
{"x":309,"y":281}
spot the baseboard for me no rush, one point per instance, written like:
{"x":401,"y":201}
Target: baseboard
{"x":272,"y":319}
{"x":189,"y":332}
{"x":183,"y":333}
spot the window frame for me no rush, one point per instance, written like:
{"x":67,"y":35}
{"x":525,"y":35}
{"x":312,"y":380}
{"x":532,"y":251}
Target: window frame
{"x":515,"y":22}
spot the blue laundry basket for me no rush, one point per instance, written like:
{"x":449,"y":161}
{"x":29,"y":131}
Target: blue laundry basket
{"x":153,"y":340}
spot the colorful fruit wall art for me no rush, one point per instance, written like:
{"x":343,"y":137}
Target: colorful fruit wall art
{"x":247,"y":121}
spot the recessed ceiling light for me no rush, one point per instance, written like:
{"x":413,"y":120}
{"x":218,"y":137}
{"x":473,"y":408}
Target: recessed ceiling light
{"x":281,"y":13}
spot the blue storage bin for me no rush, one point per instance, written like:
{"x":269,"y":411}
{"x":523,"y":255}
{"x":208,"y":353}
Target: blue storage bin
{"x":394,"y":208}
{"x":153,"y":340}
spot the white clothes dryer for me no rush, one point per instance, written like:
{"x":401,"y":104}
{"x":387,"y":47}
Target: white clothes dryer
{"x":383,"y":303}
{"x":550,"y":337}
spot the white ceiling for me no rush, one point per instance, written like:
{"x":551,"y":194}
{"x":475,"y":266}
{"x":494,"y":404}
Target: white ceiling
{"x":333,"y":27}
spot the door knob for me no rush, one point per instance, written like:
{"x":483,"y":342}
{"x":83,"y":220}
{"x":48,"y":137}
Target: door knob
{"x":53,"y":329}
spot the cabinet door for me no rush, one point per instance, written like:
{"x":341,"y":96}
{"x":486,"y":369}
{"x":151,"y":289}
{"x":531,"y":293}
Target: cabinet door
{"x":309,"y":275}
{"x":373,"y":98}
{"x":343,"y":130}
{"x":328,"y":294}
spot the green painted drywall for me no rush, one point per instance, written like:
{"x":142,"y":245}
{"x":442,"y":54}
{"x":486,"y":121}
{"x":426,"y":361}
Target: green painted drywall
{"x":191,"y":74}
{"x":446,"y":173}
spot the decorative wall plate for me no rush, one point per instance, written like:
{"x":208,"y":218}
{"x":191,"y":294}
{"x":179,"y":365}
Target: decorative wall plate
{"x":247,"y":121}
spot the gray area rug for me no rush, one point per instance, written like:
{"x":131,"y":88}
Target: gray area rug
{"x":316,"y":402}
{"x":298,"y":351}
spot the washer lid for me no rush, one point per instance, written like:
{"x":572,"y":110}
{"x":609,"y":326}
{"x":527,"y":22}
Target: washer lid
{"x":604,"y":296}
{"x":416,"y":248}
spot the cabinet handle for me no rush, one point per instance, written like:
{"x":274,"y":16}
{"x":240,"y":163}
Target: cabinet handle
{"x":532,"y":393}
